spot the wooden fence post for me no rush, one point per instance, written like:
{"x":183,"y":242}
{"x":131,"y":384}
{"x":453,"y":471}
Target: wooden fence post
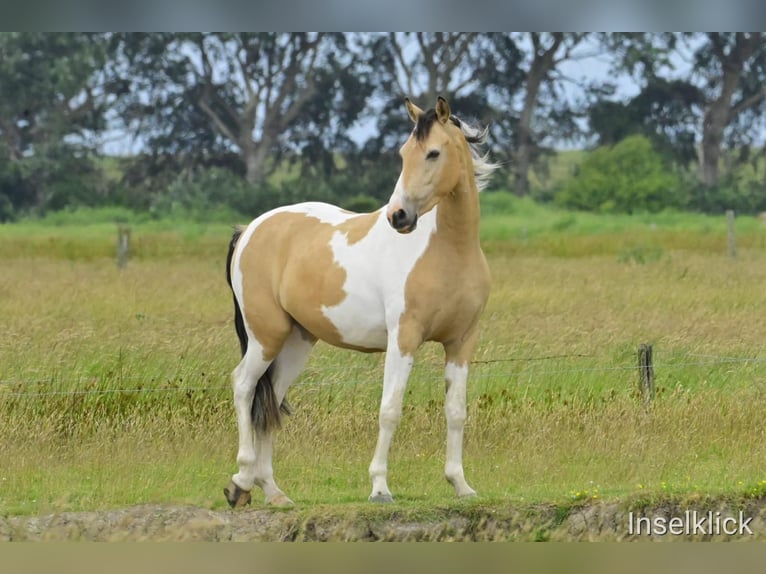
{"x":123,"y":245}
{"x":646,"y":373}
{"x":732,"y":237}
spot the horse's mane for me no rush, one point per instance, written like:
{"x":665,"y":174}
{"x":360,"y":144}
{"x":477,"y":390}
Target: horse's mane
{"x":476,"y":138}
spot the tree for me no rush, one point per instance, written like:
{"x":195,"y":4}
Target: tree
{"x":731,"y":69}
{"x":664,"y":111}
{"x":264,"y":96}
{"x":428,"y":65}
{"x":52,"y":107}
{"x":720,"y":77}
{"x":422,"y":66}
{"x":531,"y":82}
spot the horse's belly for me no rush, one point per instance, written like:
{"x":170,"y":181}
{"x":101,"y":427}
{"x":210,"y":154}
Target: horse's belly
{"x":360,"y":323}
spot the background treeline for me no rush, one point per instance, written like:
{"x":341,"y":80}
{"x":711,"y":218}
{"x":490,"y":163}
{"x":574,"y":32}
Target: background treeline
{"x":216,"y":124}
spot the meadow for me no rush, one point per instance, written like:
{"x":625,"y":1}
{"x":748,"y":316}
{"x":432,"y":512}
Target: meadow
{"x":115,"y":391}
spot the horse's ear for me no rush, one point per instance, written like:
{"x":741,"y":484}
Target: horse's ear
{"x":442,"y":110}
{"x":412,"y":110}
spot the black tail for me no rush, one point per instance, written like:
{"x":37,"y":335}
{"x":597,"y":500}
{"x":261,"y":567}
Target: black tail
{"x":266,"y":414}
{"x":239,"y":322}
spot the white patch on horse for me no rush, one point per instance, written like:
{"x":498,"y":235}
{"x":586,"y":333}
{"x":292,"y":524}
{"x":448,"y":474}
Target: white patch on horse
{"x":376,"y":269}
{"x":398,"y":190}
{"x":396,"y":374}
{"x":324,"y":212}
{"x":455,"y":412}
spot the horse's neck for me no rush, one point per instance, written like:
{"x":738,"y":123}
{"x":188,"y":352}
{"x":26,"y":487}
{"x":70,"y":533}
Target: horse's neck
{"x":458,"y":215}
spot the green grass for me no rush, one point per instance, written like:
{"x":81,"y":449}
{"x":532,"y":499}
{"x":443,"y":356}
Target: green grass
{"x":115,"y":383}
{"x":509,"y":225}
{"x":521,"y":226}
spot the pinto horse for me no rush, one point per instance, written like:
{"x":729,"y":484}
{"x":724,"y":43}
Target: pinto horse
{"x":314,"y":271}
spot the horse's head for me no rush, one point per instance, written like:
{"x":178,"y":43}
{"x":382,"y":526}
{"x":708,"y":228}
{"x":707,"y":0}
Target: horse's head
{"x":431,"y":165}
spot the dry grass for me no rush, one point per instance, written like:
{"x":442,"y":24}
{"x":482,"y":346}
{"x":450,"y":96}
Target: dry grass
{"x":553,"y":411}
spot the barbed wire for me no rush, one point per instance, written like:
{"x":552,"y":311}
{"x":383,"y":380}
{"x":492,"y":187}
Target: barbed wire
{"x":714,"y":360}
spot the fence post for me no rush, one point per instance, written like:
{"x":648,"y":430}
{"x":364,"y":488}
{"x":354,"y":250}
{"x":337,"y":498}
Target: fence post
{"x":732,"y":237}
{"x":123,"y":245}
{"x":646,"y":373}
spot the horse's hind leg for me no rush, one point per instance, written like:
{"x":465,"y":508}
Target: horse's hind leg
{"x":287,"y":366}
{"x":244,"y":380}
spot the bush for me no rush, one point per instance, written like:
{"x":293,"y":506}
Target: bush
{"x":498,"y":203}
{"x":361,"y":204}
{"x":214,"y":194}
{"x":628,"y":177}
{"x":742,"y":197}
{"x":6,"y":209}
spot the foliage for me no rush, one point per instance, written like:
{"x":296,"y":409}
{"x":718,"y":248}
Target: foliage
{"x":664,"y":111}
{"x":527,"y":69}
{"x":227,"y":123}
{"x":721,"y":94}
{"x":361,"y":204}
{"x":628,"y":177}
{"x":264,"y":95}
{"x":729,"y":193}
{"x":50,"y":107}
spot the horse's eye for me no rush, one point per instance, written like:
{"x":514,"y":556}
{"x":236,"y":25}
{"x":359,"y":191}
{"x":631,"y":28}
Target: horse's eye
{"x":433,"y":154}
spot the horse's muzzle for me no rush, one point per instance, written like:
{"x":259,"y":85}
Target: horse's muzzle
{"x":403,"y":222}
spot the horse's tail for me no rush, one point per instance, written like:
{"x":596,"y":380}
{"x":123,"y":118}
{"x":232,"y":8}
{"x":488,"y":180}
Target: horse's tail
{"x":265,"y":413}
{"x":239,"y":322}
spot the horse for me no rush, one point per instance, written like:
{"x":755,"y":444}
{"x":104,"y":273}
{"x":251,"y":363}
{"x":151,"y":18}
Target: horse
{"x":412,"y":271}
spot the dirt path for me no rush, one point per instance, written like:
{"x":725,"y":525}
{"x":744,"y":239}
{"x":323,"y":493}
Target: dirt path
{"x":603,"y":521}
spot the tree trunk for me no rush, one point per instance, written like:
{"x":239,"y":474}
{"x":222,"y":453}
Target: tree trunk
{"x":712,"y":139}
{"x":524,"y":141}
{"x":254,"y":169}
{"x":254,"y":157}
{"x":521,"y":170}
{"x":717,"y":116}
{"x":542,"y":63}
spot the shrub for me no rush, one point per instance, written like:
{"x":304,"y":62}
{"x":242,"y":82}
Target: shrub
{"x":628,"y":177}
{"x":742,"y":197}
{"x":361,"y":203}
{"x":498,"y":203}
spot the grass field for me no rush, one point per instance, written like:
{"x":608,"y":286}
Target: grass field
{"x":114,"y":384}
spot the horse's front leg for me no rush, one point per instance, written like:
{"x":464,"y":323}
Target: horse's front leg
{"x":456,"y":375}
{"x":397,"y":370}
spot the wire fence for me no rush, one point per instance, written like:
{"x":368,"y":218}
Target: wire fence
{"x":312,"y":375}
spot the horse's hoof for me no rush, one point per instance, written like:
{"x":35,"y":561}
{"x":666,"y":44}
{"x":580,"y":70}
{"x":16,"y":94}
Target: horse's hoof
{"x":383,"y":498}
{"x":467,"y":495}
{"x":235,"y":496}
{"x":280,"y":501}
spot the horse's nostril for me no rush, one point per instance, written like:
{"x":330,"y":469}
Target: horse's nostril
{"x":398,"y":217}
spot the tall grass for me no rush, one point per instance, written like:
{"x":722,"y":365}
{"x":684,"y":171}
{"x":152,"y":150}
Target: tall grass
{"x":114,"y":385}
